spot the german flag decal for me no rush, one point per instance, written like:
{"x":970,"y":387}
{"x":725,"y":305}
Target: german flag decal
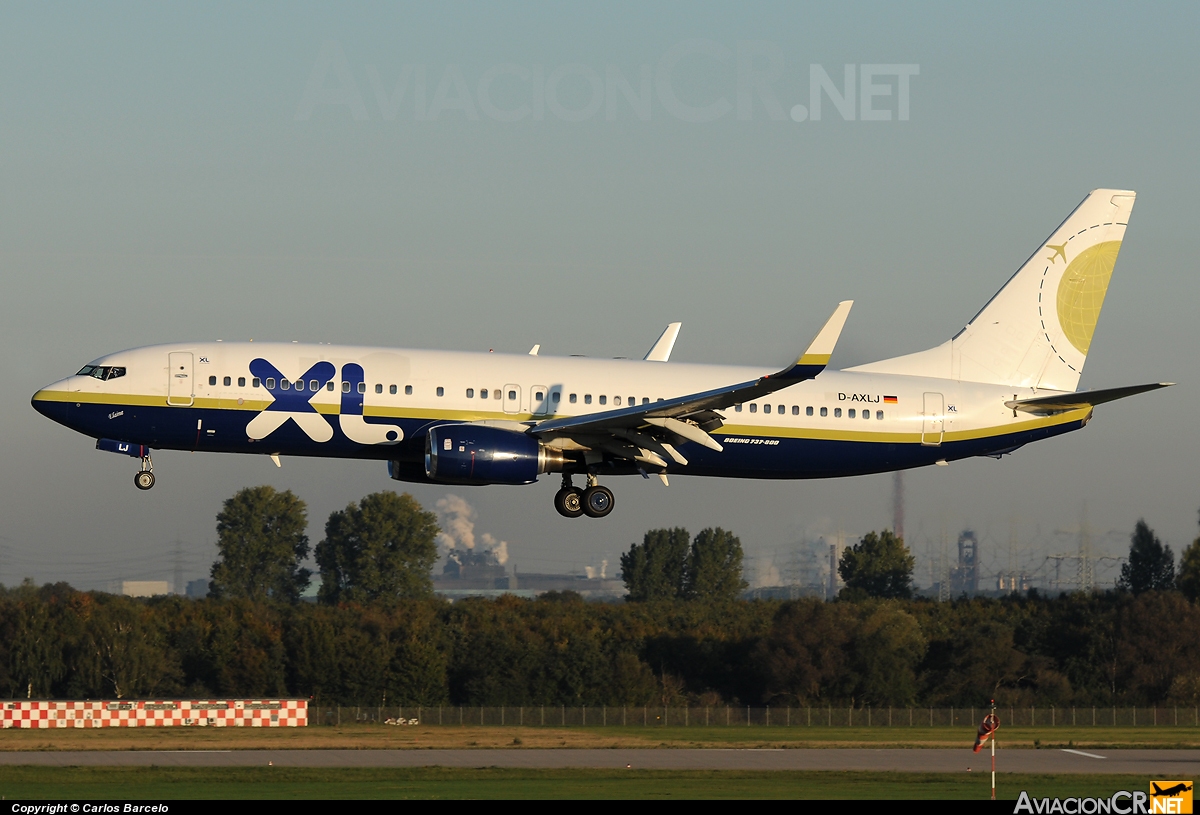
{"x":890,"y":400}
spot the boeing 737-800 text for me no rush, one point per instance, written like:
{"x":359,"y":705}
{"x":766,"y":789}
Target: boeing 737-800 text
{"x":1006,"y":379}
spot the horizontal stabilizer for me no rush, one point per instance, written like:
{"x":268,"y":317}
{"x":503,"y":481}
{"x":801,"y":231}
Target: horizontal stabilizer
{"x":1072,"y":401}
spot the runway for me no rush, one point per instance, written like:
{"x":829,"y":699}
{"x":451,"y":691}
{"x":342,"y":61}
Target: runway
{"x":1150,"y":763}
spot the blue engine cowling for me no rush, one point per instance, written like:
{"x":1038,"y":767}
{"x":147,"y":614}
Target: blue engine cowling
{"x":478,"y":454}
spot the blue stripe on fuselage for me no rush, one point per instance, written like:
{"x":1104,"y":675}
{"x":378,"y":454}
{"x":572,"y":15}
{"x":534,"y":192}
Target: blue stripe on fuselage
{"x":175,"y":428}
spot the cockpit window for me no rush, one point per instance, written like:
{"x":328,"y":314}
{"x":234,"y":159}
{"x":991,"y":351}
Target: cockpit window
{"x":102,"y":372}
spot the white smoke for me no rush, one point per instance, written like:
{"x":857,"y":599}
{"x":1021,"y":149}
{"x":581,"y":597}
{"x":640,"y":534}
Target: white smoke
{"x":498,"y":548}
{"x":592,"y":572}
{"x":458,"y":529}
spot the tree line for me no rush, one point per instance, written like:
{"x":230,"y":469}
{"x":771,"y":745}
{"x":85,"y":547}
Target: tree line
{"x":378,"y":636}
{"x":1113,"y":648}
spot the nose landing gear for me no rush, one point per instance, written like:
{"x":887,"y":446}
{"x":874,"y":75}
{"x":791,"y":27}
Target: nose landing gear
{"x":144,"y":479}
{"x":595,"y":501}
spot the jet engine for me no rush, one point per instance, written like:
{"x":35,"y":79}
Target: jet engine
{"x":479,"y":454}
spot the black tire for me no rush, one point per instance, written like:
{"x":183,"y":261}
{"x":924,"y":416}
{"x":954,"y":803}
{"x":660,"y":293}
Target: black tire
{"x":569,"y":502}
{"x":598,"y":501}
{"x":144,"y":480}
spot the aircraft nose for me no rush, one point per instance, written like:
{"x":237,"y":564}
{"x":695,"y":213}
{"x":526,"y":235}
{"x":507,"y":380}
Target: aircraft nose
{"x":49,"y":401}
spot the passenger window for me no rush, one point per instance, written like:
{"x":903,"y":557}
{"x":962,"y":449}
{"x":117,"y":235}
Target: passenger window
{"x":604,"y":400}
{"x":392,"y":389}
{"x":837,"y":413}
{"x":539,"y":396}
{"x":781,"y":407}
{"x":824,"y":411}
{"x":408,"y":390}
{"x":441,"y":391}
{"x":572,"y":398}
{"x":850,"y":413}
{"x":587,"y":398}
{"x":285,"y":385}
{"x":879,"y":415}
{"x":512,"y":394}
{"x":737,"y":408}
{"x":228,"y":381}
{"x":270,"y":383}
{"x":470,"y":393}
{"x":314,"y":385}
{"x":345,"y":387}
{"x":645,"y":400}
{"x":632,"y":401}
{"x":255,"y":382}
{"x":212,"y":380}
{"x":483,"y":393}
{"x":766,"y":408}
{"x":362,"y":387}
{"x":808,"y":411}
{"x":754,"y":408}
{"x":555,"y":397}
{"x":796,"y":410}
{"x":329,"y":385}
{"x":616,"y":400}
{"x":241,"y":381}
{"x":866,"y":414}
{"x":378,"y":387}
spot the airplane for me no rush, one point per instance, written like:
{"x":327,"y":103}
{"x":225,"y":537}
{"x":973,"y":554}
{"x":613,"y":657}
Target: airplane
{"x":1170,"y":792}
{"x":1006,"y":379}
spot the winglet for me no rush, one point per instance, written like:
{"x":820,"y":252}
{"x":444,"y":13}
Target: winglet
{"x":661,"y":351}
{"x":816,"y":356}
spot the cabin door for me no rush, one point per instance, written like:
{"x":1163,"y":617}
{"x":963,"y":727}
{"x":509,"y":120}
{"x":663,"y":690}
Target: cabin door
{"x":933,"y":420}
{"x":179,"y":379}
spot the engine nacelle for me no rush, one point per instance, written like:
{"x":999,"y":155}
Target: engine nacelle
{"x":478,"y":454}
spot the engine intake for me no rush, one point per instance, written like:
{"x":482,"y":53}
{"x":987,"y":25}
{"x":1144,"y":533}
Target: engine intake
{"x":478,"y":454}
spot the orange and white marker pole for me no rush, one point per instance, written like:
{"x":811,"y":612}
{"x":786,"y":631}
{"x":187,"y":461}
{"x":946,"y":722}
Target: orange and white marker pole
{"x":987,"y":730}
{"x":996,"y":722}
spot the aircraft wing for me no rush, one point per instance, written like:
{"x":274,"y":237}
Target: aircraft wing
{"x":661,"y":351}
{"x":1071,"y":401}
{"x":653,"y":428}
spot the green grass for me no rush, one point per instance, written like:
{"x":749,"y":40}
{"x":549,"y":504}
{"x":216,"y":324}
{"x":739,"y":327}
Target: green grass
{"x":290,"y":783}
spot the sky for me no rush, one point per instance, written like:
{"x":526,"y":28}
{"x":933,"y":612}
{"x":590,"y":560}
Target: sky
{"x":474,"y":176}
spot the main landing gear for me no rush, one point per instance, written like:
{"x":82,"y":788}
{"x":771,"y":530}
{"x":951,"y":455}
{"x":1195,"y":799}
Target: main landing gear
{"x":595,"y":501}
{"x":144,"y":479}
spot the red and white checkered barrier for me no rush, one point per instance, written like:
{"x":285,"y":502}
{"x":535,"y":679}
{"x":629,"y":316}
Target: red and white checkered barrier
{"x":161,"y":713}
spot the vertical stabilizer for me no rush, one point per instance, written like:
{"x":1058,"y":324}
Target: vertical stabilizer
{"x":1037,"y":330}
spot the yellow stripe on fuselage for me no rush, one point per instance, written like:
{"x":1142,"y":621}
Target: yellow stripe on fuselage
{"x":772,"y":431}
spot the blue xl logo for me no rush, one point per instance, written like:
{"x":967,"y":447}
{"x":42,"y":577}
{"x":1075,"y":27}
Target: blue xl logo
{"x":292,"y":400}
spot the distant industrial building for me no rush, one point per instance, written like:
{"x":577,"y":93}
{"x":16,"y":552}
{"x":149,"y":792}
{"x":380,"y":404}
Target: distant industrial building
{"x":143,"y":588}
{"x":197,"y":589}
{"x":474,"y":573}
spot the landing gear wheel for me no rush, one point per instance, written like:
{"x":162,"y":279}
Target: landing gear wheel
{"x":144,"y":480}
{"x":597,"y":501}
{"x":569,"y":502}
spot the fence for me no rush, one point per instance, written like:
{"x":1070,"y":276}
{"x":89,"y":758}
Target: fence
{"x":739,"y":716}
